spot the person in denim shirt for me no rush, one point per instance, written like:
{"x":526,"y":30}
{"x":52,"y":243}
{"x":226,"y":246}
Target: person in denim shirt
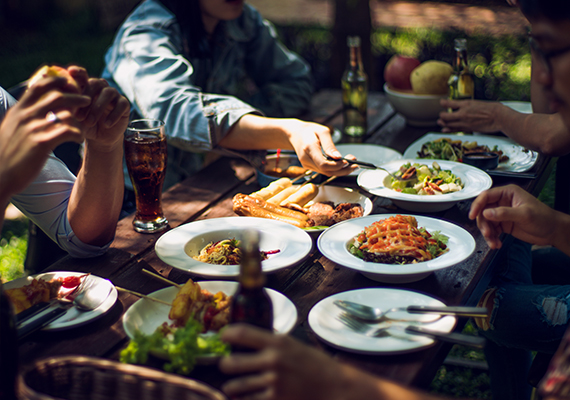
{"x":216,"y":73}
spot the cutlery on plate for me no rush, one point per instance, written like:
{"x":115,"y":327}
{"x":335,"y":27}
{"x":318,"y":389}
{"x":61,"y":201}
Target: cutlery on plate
{"x":376,"y":314}
{"x":372,"y":331}
{"x":90,"y":297}
{"x":366,"y":165}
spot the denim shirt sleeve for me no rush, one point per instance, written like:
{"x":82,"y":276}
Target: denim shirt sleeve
{"x":147,"y":66}
{"x":45,"y":202}
{"x":284,"y":79}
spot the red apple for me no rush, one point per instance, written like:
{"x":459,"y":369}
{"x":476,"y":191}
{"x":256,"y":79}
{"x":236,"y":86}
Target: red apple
{"x":397,"y":71}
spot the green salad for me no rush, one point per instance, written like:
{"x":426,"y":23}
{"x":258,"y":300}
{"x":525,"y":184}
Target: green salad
{"x":424,"y":180}
{"x":180,"y":346}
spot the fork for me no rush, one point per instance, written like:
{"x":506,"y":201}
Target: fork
{"x":365,"y":165}
{"x":372,"y":331}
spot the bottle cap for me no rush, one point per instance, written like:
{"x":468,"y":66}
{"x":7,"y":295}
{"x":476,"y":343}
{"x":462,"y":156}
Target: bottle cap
{"x":460,"y":44}
{"x":353,"y":41}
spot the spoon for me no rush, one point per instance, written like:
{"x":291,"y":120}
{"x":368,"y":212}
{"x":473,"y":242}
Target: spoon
{"x":366,"y":165}
{"x":89,"y":298}
{"x":375,"y":314}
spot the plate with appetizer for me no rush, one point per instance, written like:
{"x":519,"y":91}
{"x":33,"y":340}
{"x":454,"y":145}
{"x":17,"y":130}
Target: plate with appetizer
{"x":206,"y":303}
{"x":210,"y":247}
{"x":25,"y":293}
{"x":513,"y":157}
{"x":370,"y":153}
{"x":373,"y":245}
{"x":323,"y":320}
{"x":425,"y":185}
{"x":309,"y":206}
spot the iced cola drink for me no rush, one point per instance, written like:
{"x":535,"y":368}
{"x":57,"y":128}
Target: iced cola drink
{"x":146,"y":155}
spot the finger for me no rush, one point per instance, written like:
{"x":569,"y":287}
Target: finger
{"x":40,"y":88}
{"x":502,"y":214}
{"x":248,"y":336}
{"x":120,"y":111}
{"x":80,"y":75}
{"x":102,"y":105}
{"x":254,"y":385}
{"x":96,"y":91}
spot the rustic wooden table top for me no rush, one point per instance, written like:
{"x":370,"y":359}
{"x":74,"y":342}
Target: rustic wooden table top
{"x":208,"y":195}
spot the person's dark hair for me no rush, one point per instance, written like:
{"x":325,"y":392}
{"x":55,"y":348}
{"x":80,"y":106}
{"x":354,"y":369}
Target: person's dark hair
{"x":189,"y":18}
{"x":555,"y":10}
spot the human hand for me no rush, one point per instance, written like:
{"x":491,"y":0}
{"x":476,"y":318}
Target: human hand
{"x":282,"y":368}
{"x":27,"y":136}
{"x":310,"y":140}
{"x":512,"y":210}
{"x":104,"y":120}
{"x":469,"y":115}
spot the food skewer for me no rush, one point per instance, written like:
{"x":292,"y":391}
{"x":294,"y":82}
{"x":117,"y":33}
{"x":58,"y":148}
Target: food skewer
{"x":161,"y":278}
{"x":144,"y":296}
{"x":329,"y":180}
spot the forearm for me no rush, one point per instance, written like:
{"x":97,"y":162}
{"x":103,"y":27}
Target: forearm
{"x":359,"y":385}
{"x":258,"y":133}
{"x":97,"y":196}
{"x":545,"y":133}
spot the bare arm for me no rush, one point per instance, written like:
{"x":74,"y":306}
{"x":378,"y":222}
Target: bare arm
{"x":254,"y":132}
{"x":97,"y":196}
{"x":285,"y":369}
{"x":545,"y":133}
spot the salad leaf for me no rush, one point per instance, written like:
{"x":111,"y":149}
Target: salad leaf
{"x":180,"y":346}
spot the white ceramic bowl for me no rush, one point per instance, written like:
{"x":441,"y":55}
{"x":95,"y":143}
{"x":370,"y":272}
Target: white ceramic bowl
{"x":474,"y":179}
{"x":418,"y":109}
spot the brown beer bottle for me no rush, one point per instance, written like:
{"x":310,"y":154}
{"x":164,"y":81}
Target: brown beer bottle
{"x":251,"y":303}
{"x":8,"y":349}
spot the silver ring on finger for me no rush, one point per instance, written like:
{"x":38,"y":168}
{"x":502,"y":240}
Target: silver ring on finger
{"x":52,"y":117}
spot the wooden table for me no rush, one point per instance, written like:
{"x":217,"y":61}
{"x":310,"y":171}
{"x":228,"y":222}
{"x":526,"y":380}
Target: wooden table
{"x":208,"y":194}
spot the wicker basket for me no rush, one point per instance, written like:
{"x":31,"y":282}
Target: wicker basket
{"x":87,"y":378}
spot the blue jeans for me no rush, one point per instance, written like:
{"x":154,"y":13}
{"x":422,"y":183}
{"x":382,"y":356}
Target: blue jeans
{"x":530,"y":313}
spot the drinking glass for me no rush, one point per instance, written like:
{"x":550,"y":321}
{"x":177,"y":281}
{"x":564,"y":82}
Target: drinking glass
{"x":145,"y":155}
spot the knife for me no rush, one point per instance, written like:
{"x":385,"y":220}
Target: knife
{"x":25,"y":315}
{"x":41,"y":321}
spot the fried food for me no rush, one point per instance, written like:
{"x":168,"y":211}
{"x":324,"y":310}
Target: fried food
{"x":302,"y":195}
{"x":272,"y":189}
{"x":37,"y":291}
{"x":211,"y":310}
{"x":254,"y":207}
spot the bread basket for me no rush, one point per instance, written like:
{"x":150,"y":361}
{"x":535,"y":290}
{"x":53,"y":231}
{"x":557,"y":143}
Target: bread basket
{"x":88,"y":378}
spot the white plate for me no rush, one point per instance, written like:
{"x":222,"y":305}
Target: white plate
{"x":73,"y":317}
{"x":371,"y":153}
{"x":178,"y":246}
{"x":147,"y":315}
{"x":323,"y":321}
{"x":333,"y":244}
{"x":520,"y":159}
{"x":524,"y":107}
{"x":338,"y":195}
{"x":474,"y":179}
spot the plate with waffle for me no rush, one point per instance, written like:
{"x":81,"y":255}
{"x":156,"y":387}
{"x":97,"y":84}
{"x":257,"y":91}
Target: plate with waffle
{"x":399,"y":260}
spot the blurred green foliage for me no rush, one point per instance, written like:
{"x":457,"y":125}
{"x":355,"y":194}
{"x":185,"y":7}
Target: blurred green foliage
{"x":500,"y":63}
{"x":13,"y":248}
